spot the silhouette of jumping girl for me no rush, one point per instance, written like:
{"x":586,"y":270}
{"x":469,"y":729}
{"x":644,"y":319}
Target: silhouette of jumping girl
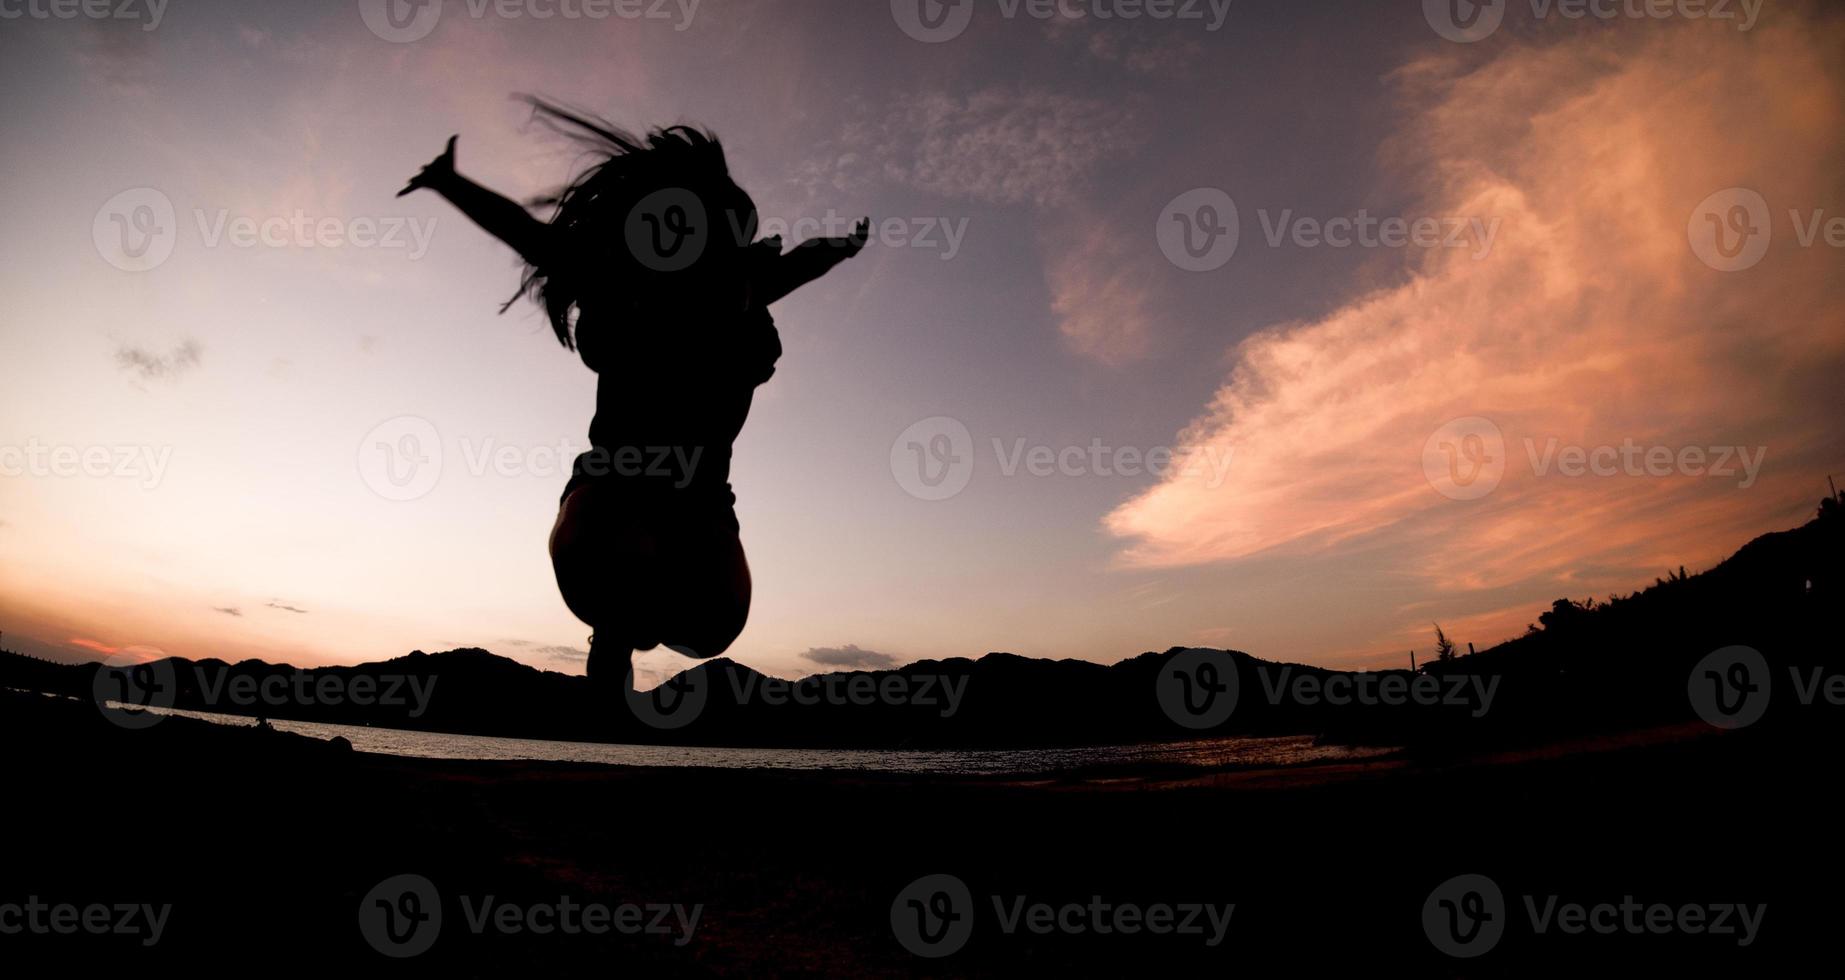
{"x":648,"y":271}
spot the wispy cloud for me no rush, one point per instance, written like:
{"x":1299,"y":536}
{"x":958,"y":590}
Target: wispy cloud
{"x":996,"y":146}
{"x":850,"y":656}
{"x":154,"y":366}
{"x":228,"y":610}
{"x":118,"y":52}
{"x":1143,"y":52}
{"x":285,"y":607}
{"x":1099,"y":289}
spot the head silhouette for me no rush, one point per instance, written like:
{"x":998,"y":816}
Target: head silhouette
{"x":653,"y":224}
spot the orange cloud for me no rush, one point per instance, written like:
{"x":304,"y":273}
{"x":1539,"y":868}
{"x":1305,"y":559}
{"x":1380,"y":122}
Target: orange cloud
{"x":1592,"y":323}
{"x":120,"y":655}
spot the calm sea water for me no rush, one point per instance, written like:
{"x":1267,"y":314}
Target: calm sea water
{"x":1206,"y":753}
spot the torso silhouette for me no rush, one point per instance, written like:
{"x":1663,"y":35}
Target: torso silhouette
{"x":673,"y":390}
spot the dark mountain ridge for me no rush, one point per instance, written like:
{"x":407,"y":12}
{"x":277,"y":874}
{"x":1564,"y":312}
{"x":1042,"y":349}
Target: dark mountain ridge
{"x":1585,"y":666}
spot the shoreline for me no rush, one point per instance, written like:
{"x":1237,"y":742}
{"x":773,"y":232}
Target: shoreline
{"x":267,"y":843}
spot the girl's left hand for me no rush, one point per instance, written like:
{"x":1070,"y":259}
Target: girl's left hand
{"x":435,"y":172}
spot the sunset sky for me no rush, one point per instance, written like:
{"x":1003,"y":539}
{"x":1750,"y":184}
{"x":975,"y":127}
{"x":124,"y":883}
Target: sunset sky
{"x":1614,"y":232}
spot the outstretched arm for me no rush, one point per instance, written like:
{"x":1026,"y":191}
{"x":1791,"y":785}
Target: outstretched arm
{"x":502,"y":218}
{"x":808,"y":261}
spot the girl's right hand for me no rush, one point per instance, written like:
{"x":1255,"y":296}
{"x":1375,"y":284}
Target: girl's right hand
{"x":436,"y":172}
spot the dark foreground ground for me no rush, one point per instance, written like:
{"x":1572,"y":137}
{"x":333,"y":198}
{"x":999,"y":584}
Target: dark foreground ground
{"x":267,"y":845}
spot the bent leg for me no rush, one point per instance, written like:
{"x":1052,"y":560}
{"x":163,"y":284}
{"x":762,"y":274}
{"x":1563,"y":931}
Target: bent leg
{"x":709,"y":598}
{"x":641,"y":578}
{"x":598,"y":552}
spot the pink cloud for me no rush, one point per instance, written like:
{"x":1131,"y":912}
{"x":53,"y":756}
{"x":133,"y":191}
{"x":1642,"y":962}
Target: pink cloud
{"x":1099,"y":292}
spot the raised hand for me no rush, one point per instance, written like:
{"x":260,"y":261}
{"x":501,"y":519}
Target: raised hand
{"x":436,"y":172}
{"x":812,"y":259}
{"x":850,"y":245}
